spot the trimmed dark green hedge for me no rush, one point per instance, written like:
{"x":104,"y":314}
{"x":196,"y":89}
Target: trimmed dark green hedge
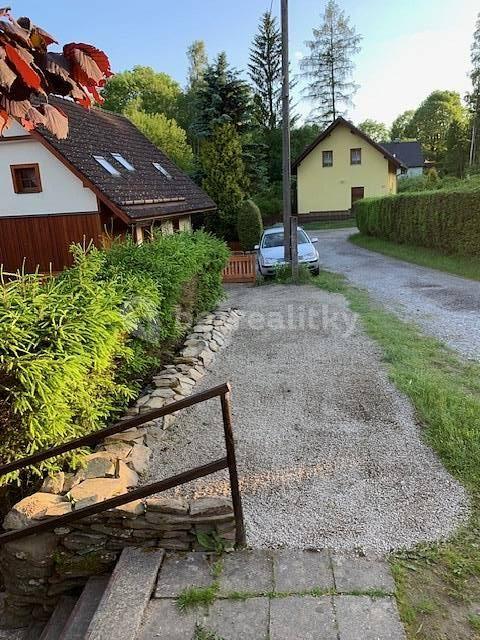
{"x":75,"y":349}
{"x":448,"y":221}
{"x":249,"y":225}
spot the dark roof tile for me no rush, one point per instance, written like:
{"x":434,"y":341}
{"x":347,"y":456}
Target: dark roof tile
{"x":410,"y":153}
{"x":97,"y":132}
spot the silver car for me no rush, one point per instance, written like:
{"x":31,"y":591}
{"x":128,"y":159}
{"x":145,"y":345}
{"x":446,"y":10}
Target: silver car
{"x":270,"y":251}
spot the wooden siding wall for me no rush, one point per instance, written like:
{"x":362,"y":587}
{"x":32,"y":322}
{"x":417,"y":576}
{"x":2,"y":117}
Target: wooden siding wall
{"x":45,"y":240}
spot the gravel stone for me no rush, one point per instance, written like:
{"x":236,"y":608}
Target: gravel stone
{"x":444,"y":305}
{"x":329,"y":453}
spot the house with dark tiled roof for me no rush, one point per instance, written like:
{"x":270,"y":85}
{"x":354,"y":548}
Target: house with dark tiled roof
{"x":410,"y":155}
{"x":105,"y":178}
{"x":342,"y":165}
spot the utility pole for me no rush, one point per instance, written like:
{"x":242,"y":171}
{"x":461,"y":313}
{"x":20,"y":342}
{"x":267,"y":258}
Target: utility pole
{"x":286,"y":169}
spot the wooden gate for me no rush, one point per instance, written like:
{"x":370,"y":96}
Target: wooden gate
{"x":240,"y":268}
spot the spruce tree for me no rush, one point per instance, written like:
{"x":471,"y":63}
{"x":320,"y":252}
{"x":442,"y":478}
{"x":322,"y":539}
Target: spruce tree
{"x":224,"y":178}
{"x":265,"y":71}
{"x":222,"y":97}
{"x":328,"y":67}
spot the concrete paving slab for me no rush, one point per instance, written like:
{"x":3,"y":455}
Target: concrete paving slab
{"x":127,"y":595}
{"x":297,"y":571}
{"x":247,"y":571}
{"x":353,"y":573}
{"x":302,"y":617}
{"x":183,"y":570}
{"x":238,"y":619}
{"x":368,"y":618}
{"x":164,"y":620}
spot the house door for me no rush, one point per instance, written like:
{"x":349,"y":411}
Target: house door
{"x":357,"y":194}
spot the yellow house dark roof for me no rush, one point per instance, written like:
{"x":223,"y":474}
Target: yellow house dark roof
{"x":341,"y":121}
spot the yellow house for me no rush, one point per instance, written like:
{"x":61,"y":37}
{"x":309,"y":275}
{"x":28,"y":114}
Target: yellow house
{"x":340,"y":166}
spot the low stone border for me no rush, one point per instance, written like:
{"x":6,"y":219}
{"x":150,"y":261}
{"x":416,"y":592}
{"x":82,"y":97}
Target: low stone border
{"x":37,"y":570}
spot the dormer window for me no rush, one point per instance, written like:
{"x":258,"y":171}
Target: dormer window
{"x":125,"y":163}
{"x":162,"y":170}
{"x":26,"y":178}
{"x":107,"y":166}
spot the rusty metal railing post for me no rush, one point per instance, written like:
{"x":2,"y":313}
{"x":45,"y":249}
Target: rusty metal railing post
{"x":240,"y":538}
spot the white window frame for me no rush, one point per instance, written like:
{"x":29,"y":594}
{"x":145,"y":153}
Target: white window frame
{"x":109,"y":168}
{"x":125,"y":163}
{"x":162,"y":170}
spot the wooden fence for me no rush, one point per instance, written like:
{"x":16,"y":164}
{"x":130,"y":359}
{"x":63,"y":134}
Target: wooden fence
{"x":240,"y":268}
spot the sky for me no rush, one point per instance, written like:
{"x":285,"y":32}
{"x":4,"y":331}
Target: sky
{"x":409,"y":48}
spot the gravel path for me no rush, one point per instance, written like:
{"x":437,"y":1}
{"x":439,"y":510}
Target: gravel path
{"x":445,"y":306}
{"x":329,"y":453}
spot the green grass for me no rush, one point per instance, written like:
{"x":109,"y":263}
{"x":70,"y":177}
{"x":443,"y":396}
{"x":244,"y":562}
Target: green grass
{"x":465,"y":266}
{"x":193,"y":597}
{"x":436,"y":582}
{"x":329,"y":224}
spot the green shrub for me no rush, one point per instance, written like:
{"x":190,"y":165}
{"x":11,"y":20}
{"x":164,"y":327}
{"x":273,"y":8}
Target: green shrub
{"x":270,"y":201}
{"x":432,"y":182}
{"x":448,"y":221}
{"x":74,"y":349}
{"x":249,"y":225}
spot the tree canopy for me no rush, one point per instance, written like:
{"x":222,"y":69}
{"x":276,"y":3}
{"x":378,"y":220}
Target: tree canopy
{"x":224,"y":177}
{"x":166,"y":135}
{"x":377,"y":131}
{"x":144,"y":89}
{"x":222,"y":97}
{"x":401,"y":128}
{"x":328,"y":68}
{"x":265,"y":71}
{"x":473,"y":98}
{"x":432,"y":120}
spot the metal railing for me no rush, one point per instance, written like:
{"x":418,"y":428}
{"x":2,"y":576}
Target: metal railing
{"x":228,"y":462}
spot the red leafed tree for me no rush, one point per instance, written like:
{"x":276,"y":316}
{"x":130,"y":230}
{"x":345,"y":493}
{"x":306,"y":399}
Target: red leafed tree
{"x":29,"y":73}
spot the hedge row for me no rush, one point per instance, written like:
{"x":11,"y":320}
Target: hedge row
{"x":74,"y":349}
{"x":448,"y":221}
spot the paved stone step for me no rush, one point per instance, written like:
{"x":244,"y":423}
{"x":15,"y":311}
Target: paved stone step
{"x":85,"y":609}
{"x":58,"y":619}
{"x":276,"y":595}
{"x":125,"y":599}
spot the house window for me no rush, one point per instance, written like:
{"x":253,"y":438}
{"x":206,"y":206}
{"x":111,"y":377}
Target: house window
{"x":162,"y":170}
{"x":176,"y":224}
{"x":125,"y":163}
{"x":355,"y":156}
{"x":327,"y":158}
{"x":26,"y":178}
{"x":107,"y":166}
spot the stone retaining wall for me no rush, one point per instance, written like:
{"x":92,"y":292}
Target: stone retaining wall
{"x":38,"y":569}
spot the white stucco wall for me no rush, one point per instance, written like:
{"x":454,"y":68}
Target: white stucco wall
{"x":62,"y":191}
{"x":412,"y":172}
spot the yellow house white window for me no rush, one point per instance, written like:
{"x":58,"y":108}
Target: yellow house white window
{"x":327,"y":158}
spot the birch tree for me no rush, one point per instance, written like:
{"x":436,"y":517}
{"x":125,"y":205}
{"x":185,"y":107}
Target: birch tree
{"x":328,"y":67}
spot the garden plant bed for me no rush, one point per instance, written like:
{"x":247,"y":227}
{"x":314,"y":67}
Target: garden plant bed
{"x":38,"y":569}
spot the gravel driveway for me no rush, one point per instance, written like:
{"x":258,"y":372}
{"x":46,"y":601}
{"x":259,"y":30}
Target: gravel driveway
{"x":445,"y":306}
{"x":329,"y":453}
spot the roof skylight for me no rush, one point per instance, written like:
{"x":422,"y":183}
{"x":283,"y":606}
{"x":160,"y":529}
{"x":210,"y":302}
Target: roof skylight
{"x":163,"y":171}
{"x":125,"y":163}
{"x":107,"y":166}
